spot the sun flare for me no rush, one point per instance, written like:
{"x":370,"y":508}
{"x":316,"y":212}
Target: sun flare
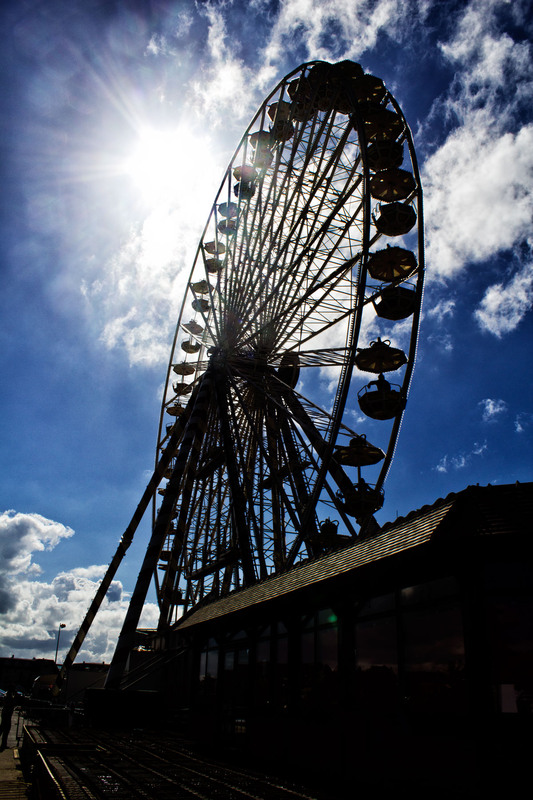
{"x":161,"y":162}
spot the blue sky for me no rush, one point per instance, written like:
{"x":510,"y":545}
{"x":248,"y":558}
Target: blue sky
{"x":118,"y":121}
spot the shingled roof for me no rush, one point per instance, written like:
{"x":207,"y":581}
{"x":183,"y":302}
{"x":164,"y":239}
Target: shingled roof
{"x":476,"y":511}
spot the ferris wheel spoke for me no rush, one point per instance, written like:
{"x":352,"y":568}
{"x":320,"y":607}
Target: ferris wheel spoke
{"x":294,"y":280}
{"x":265,"y":451}
{"x":289,"y":237}
{"x":278,"y":188}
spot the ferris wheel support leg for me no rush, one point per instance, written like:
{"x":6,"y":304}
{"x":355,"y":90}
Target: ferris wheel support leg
{"x":125,"y":541}
{"x":300,"y":485}
{"x":239,"y":516}
{"x":126,"y":639}
{"x":321,"y":446}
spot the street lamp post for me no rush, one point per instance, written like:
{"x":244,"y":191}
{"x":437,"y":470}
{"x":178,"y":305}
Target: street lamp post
{"x":61,"y":625}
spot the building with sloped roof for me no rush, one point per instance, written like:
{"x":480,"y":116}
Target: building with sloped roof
{"x":412,"y":648}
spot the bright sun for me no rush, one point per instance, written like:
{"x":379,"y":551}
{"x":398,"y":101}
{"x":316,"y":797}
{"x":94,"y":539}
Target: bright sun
{"x":161,"y":162}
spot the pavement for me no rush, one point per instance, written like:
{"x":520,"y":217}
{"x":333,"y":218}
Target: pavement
{"x":12,"y":783}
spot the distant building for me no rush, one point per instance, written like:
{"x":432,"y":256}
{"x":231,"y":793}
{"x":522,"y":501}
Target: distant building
{"x":22,"y":672}
{"x":80,"y":677}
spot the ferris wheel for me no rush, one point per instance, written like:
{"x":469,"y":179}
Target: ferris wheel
{"x":310,"y":264}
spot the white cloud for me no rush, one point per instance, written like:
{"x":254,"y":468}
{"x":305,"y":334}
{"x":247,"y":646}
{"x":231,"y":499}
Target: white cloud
{"x":137,"y":298}
{"x":23,"y":534}
{"x":504,"y":305}
{"x":31,"y":609}
{"x":441,"y":310}
{"x":479,"y":195}
{"x":443,"y":341}
{"x":461,"y":460}
{"x":522,"y":421}
{"x":226,"y":88}
{"x":479,"y":183}
{"x":492,"y":409}
{"x":487,"y":57}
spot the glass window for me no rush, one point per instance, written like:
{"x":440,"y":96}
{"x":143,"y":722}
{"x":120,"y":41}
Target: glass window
{"x":327,"y":617}
{"x":510,"y":622}
{"x":280,"y":673}
{"x":262,"y":694}
{"x":208,"y":669}
{"x":211,"y":667}
{"x":203,"y":661}
{"x":429,"y":592}
{"x":236,"y":672}
{"x":434,"y":658}
{"x":229,"y":660}
{"x":319,"y":660}
{"x":377,"y":605}
{"x":376,"y":685}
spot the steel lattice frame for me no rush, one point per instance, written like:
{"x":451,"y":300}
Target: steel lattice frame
{"x":276,"y":298}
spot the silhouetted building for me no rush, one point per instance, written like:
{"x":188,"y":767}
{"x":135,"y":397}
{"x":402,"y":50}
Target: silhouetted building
{"x":21,"y":673}
{"x":403,"y":657}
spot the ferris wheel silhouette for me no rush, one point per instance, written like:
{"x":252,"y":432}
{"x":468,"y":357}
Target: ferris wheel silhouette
{"x":315,"y":238}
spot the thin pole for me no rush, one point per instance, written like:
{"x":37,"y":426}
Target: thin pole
{"x":61,"y":625}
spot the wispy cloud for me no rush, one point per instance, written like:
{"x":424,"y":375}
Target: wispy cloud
{"x":523,"y":421}
{"x":492,"y":409}
{"x":332,"y":30}
{"x":441,"y":310}
{"x":505,"y":304}
{"x":460,"y":460}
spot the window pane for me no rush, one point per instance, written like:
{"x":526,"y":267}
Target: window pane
{"x":203,"y":660}
{"x":282,"y":650}
{"x":377,"y":605}
{"x":377,"y":664}
{"x":327,"y":648}
{"x":229,"y":660}
{"x":242,"y":657}
{"x":212,"y":664}
{"x":208,"y":672}
{"x":511,"y":636}
{"x":280,"y":678}
{"x":327,"y":617}
{"x":262,"y":673}
{"x":434,"y":659}
{"x":429,"y":592}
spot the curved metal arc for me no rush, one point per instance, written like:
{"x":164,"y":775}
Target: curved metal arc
{"x":200,"y":253}
{"x":411,"y":356}
{"x":248,"y":449}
